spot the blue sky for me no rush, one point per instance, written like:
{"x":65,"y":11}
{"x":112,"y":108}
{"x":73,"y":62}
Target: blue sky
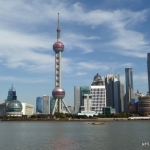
{"x":100,"y":36}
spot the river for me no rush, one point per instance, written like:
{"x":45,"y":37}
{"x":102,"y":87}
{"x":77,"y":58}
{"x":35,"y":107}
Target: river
{"x":116,"y":135}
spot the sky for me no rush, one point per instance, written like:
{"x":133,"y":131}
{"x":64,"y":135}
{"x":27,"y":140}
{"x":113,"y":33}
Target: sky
{"x":100,"y":36}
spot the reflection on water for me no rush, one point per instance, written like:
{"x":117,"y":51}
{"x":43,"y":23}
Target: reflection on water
{"x":126,"y":135}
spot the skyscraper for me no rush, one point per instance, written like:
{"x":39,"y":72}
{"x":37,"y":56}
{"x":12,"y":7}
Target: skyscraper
{"x":98,"y":93}
{"x":76,"y":99}
{"x":114,"y":92}
{"x":109,"y":92}
{"x":11,"y":94}
{"x":128,"y":78}
{"x":58,"y":92}
{"x":83,"y":90}
{"x":79,"y":97}
{"x":52,"y":103}
{"x":39,"y":105}
{"x":42,"y":104}
{"x":13,"y":106}
{"x":148,"y":71}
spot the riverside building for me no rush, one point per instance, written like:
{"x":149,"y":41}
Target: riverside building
{"x":13,"y":106}
{"x":114,"y":92}
{"x":128,"y":78}
{"x":79,"y":97}
{"x":98,"y":93}
{"x":42,"y":104}
{"x":87,"y":108}
{"x":27,"y":109}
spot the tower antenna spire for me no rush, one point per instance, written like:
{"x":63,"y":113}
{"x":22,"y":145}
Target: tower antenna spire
{"x":58,"y":28}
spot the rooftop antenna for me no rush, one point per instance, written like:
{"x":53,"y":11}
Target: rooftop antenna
{"x":58,"y":28}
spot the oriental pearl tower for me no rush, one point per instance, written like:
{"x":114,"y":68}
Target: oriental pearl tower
{"x":58,"y":92}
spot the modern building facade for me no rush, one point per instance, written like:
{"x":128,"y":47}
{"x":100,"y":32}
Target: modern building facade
{"x":109,"y":91}
{"x":144,"y":105}
{"x":79,"y":97}
{"x":46,"y":109}
{"x":83,"y":90}
{"x":58,"y":92}
{"x":148,"y":71}
{"x":129,"y":95}
{"x":27,"y":109}
{"x":114,"y":92}
{"x":108,"y":110}
{"x":76,"y":100}
{"x":52,"y":103}
{"x":42,"y":104}
{"x":98,"y":93}
{"x":128,"y":78}
{"x":39,"y":105}
{"x":11,"y":94}
{"x":13,"y":106}
{"x":86,"y":108}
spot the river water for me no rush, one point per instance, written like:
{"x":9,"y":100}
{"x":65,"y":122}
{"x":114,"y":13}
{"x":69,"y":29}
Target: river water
{"x":117,"y":135}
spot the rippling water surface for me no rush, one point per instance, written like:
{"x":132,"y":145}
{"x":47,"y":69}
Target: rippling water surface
{"x":125,"y":135}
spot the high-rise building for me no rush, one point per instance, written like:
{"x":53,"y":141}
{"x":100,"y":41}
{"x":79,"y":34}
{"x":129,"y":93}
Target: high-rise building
{"x":148,"y":71}
{"x":76,"y":100}
{"x":11,"y":94}
{"x":83,"y":90}
{"x":129,"y":95}
{"x":87,"y":108}
{"x":13,"y":106}
{"x":114,"y":92}
{"x":42,"y":104}
{"x":79,"y":97}
{"x":46,"y":104}
{"x":52,"y":103}
{"x":109,"y":89}
{"x":98,"y":93}
{"x":128,"y":78}
{"x":58,"y":92}
{"x":39,"y":105}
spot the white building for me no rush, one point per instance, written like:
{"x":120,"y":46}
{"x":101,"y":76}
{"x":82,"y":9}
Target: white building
{"x":98,"y":93}
{"x":87,"y":108}
{"x":27,"y":109}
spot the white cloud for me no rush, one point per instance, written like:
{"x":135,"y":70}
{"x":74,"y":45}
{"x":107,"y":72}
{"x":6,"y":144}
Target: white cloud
{"x":25,"y":80}
{"x":24,"y":48}
{"x":80,"y":73}
{"x":101,"y":66}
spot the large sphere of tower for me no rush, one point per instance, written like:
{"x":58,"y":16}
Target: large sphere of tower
{"x":58,"y":93}
{"x":58,"y":46}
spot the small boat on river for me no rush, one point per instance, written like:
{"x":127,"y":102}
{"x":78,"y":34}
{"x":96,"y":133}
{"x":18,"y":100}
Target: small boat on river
{"x":98,"y":123}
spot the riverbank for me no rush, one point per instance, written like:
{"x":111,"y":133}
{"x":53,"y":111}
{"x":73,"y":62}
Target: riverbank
{"x":66,"y":119}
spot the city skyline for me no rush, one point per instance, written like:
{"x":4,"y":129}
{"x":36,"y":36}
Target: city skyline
{"x":100,"y":37}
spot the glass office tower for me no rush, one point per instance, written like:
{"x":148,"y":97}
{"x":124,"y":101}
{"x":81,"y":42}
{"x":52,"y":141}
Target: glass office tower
{"x":45,"y":105}
{"x":42,"y":104}
{"x":39,"y":105}
{"x":83,"y":90}
{"x":11,"y":94}
{"x":128,"y":78}
{"x":76,"y":100}
{"x":52,"y":104}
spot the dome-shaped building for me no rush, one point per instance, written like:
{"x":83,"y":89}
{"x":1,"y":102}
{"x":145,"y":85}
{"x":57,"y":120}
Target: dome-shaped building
{"x":97,"y":80}
{"x":14,"y":106}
